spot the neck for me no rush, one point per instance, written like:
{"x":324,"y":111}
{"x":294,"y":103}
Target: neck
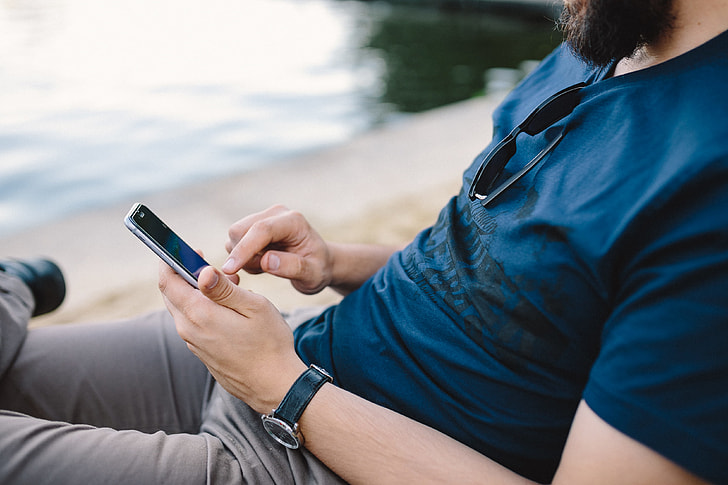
{"x":696,"y":22}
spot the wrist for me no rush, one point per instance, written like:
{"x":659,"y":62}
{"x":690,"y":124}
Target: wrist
{"x":353,"y":264}
{"x":337,"y":265}
{"x":280,"y":382}
{"x":282,"y":422}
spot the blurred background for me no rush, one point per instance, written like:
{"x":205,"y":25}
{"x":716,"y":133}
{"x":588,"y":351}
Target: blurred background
{"x":108,"y":101}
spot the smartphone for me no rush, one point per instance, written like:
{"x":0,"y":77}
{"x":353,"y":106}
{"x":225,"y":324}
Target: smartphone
{"x":165,"y":243}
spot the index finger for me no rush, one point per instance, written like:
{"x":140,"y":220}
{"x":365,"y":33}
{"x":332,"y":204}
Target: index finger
{"x":241,"y":227}
{"x":259,"y":235}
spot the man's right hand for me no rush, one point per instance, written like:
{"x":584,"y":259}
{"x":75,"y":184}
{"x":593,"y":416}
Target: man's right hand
{"x":281,"y":242}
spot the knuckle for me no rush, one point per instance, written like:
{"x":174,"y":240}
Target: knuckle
{"x":295,"y":215}
{"x":192,"y":348}
{"x":277,"y":208}
{"x":226,"y":292}
{"x":257,"y":302}
{"x":235,"y":231}
{"x":183,"y":332}
{"x":301,"y":267}
{"x":262,"y":227}
{"x":162,"y":282}
{"x":191,"y":312}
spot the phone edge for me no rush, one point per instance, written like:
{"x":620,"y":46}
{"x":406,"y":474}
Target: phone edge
{"x":159,"y":251}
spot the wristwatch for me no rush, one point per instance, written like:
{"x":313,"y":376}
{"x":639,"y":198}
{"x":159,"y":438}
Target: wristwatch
{"x":282,"y":423}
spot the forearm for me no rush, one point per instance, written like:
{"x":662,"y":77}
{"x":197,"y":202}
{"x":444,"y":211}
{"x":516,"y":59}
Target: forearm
{"x":365,"y":443}
{"x":353,"y":264}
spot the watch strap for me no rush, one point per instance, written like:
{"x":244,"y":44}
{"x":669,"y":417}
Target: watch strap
{"x":301,"y":393}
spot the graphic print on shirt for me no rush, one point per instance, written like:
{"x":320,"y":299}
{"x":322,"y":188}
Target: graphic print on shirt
{"x":490,"y":305}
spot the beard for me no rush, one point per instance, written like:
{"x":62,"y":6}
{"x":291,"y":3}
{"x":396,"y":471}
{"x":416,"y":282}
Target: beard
{"x":603,"y":31}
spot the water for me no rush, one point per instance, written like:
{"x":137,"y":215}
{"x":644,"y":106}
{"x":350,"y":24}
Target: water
{"x":103,"y":101}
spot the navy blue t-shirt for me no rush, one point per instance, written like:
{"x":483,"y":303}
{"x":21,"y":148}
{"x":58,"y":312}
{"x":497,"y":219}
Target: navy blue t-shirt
{"x":602,"y":274}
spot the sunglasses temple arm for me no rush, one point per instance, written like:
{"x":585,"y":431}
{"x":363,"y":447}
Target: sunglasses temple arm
{"x":514,"y":178}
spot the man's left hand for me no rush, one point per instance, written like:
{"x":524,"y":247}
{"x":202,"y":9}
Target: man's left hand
{"x":239,"y":335}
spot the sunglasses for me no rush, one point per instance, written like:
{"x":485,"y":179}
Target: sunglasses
{"x":545,"y":115}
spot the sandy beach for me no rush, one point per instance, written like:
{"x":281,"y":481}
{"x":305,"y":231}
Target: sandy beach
{"x":383,"y":186}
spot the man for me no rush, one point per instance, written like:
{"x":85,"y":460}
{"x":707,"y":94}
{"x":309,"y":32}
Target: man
{"x":564,"y":320}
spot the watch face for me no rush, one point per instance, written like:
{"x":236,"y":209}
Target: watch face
{"x":281,"y":432}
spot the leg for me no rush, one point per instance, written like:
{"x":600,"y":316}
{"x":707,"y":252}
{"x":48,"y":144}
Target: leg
{"x":49,"y":452}
{"x":16,"y":306}
{"x":27,"y":289}
{"x":262,"y":460}
{"x":135,"y":374}
{"x":139,"y":375}
{"x":125,"y":375}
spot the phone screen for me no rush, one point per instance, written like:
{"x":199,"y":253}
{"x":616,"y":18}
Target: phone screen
{"x":152,"y":230}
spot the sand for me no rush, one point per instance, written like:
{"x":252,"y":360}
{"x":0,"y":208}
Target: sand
{"x":383,"y":186}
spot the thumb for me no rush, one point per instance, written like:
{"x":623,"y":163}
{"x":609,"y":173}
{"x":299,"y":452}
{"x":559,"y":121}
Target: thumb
{"x":284,"y":265}
{"x":305,"y":277}
{"x":218,"y":288}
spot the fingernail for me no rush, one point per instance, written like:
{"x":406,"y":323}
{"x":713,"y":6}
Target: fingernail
{"x":229,"y":266}
{"x":214,"y":281}
{"x":274,"y":262}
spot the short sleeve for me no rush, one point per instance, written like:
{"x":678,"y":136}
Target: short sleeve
{"x":661,"y":376}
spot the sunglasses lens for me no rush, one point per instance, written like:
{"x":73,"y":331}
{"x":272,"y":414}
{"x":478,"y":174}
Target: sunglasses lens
{"x":552,"y":111}
{"x":493,"y":166}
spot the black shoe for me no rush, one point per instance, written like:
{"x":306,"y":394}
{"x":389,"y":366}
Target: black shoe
{"x":43,"y":277}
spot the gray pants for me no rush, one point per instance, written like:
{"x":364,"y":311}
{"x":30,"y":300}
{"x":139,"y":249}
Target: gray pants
{"x":124,"y":402}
